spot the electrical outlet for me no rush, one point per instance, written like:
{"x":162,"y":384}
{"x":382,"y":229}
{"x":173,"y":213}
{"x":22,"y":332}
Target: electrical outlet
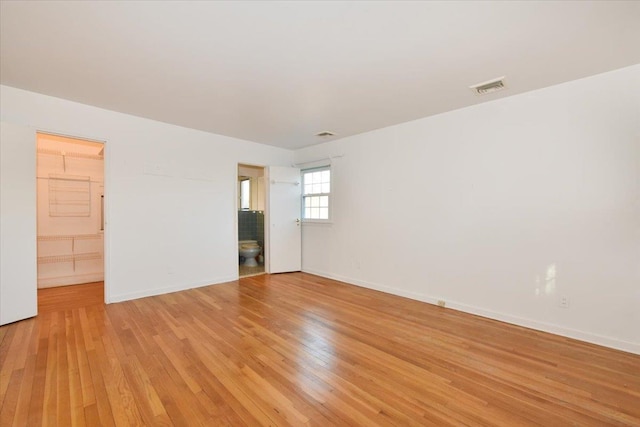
{"x":563,"y":302}
{"x":441,"y":303}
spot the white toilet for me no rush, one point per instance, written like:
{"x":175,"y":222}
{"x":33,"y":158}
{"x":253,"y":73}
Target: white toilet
{"x":249,"y":249}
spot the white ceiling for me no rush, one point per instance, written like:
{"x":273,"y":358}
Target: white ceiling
{"x":279,"y":72}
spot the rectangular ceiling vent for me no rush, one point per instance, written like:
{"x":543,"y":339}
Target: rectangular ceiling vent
{"x":325,"y":134}
{"x":489,"y":86}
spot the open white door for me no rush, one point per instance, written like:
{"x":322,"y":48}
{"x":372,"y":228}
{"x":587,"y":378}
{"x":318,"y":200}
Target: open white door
{"x":284,"y":251}
{"x":18,"y":268}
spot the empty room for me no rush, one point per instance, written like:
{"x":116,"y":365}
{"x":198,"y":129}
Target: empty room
{"x":329,"y":213}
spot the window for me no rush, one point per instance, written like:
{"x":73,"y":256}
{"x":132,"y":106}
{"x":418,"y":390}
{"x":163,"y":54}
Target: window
{"x":245,"y":194}
{"x":315,"y":193}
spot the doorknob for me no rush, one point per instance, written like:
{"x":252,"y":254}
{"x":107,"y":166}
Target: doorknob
{"x":298,"y":221}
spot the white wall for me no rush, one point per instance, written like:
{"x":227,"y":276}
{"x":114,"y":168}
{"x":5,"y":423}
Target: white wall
{"x":499,"y":209}
{"x":169,"y":193}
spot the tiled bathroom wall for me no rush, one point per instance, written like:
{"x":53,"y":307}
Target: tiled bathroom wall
{"x":251,"y":226}
{"x":260,"y":229}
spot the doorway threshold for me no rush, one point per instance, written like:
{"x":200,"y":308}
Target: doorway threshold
{"x":245,"y":271}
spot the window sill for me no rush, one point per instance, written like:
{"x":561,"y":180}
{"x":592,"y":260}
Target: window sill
{"x":316,"y":222}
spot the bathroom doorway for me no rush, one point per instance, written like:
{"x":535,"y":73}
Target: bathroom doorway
{"x":70,"y":211}
{"x":251,"y":225}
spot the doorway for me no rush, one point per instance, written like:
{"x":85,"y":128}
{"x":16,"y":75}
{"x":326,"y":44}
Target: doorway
{"x":70,"y":212}
{"x":251,"y":220}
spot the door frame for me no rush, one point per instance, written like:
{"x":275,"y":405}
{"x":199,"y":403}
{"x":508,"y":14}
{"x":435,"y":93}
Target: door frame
{"x":106,"y":163}
{"x":266,"y":251}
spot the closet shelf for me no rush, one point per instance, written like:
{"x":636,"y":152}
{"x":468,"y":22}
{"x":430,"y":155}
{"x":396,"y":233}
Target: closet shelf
{"x":71,"y":154}
{"x":69,"y":237}
{"x":69,"y":258}
{"x":70,"y":178}
{"x":69,"y":202}
{"x":69,"y":195}
{"x":73,"y":256}
{"x":72,"y":190}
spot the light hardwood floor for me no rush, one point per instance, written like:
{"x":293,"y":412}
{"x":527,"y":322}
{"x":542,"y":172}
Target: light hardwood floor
{"x":297,"y":349}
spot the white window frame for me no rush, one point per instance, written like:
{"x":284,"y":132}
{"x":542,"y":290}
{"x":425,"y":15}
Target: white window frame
{"x":303,"y":173}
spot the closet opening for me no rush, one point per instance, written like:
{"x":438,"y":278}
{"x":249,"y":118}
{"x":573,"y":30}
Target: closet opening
{"x":70,"y":221}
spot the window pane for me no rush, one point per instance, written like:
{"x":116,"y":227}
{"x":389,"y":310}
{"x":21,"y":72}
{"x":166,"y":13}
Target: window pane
{"x":315,"y":183}
{"x":245,"y":194}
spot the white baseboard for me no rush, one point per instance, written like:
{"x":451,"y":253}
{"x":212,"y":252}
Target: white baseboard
{"x":168,"y":289}
{"x":503,"y":317}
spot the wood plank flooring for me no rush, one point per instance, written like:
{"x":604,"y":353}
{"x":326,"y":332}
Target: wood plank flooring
{"x":296,"y":349}
{"x":70,"y":297}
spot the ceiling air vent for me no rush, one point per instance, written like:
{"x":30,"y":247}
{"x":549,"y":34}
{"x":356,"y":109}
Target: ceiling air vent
{"x":325,"y":134}
{"x":489,"y":86}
